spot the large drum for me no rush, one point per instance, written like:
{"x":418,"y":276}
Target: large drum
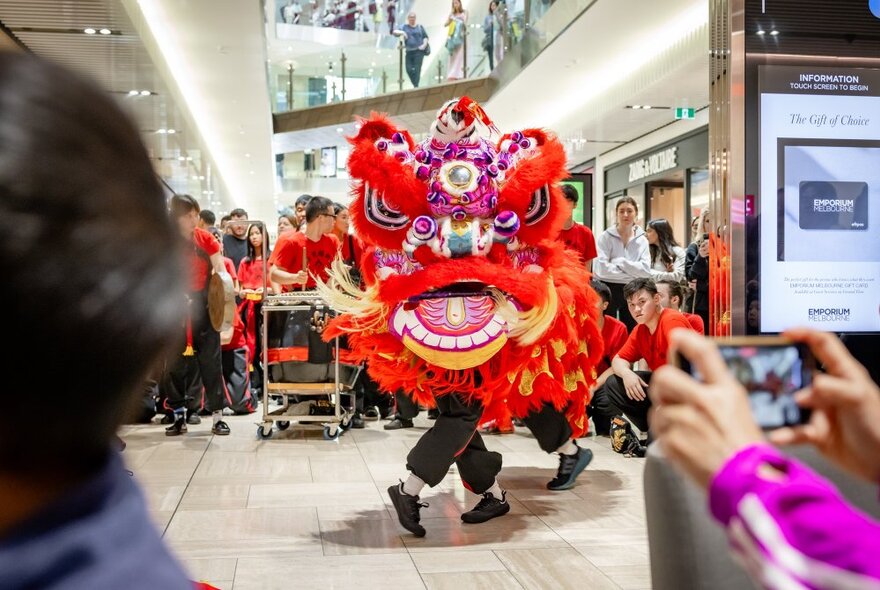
{"x":296,"y":351}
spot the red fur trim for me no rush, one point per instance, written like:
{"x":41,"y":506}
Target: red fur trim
{"x":548,"y":167}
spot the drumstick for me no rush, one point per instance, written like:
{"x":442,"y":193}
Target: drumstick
{"x":305,"y":265}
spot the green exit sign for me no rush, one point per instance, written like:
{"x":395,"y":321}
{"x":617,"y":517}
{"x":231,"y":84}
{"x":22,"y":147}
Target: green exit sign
{"x":684,"y":113}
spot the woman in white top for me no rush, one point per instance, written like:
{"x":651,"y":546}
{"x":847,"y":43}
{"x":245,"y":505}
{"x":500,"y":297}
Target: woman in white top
{"x":667,"y":257}
{"x":623,"y":255}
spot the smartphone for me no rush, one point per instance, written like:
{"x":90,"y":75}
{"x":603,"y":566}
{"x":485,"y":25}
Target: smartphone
{"x":771,"y":369}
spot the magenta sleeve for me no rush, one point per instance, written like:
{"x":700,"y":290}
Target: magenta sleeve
{"x":787,"y":523}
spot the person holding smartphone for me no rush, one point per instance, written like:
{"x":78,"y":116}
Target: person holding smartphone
{"x":786,"y":523}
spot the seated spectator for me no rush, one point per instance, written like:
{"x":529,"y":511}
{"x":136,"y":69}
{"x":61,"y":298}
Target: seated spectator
{"x":626,"y":391}
{"x":667,"y":257}
{"x":672,"y":297}
{"x":614,"y":336}
{"x":100,"y":299}
{"x":789,"y":527}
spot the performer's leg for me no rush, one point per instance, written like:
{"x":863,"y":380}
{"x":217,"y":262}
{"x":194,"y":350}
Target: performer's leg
{"x":206,"y":341}
{"x":176,"y":386}
{"x":478,"y":468}
{"x":553,"y":432}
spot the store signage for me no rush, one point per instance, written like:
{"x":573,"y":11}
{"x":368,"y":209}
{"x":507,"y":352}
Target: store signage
{"x":654,"y":164}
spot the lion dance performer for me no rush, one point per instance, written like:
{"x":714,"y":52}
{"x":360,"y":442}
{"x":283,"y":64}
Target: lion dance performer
{"x":470,"y":303}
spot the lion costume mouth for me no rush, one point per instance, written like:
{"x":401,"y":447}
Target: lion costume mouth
{"x":457,"y":327}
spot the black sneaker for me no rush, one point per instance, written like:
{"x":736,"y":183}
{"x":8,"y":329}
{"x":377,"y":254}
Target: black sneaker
{"x":371,"y":413}
{"x":570,"y":466}
{"x":407,"y":508}
{"x":357,"y":421}
{"x":220,"y":428}
{"x":176,"y":429}
{"x":433,"y":414}
{"x":193,"y":419}
{"x":399,"y":423}
{"x":488,"y":508}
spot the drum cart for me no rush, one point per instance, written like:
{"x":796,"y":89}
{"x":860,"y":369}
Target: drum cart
{"x":344,"y":377}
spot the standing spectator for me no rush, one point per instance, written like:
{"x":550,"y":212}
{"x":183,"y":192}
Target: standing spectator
{"x":672,"y":297}
{"x":207,"y":218}
{"x":456,"y":30}
{"x":235,"y":241}
{"x":224,"y":224}
{"x":489,"y":25}
{"x":250,"y":273}
{"x":667,"y":257}
{"x":415,"y":41}
{"x":577,"y":237}
{"x":227,"y":262}
{"x":299,"y":207}
{"x":623,"y":255}
{"x":287,"y":221}
{"x":391,"y":7}
{"x":291,"y":12}
{"x":697,"y":268}
{"x":351,"y":247}
{"x":99,"y":296}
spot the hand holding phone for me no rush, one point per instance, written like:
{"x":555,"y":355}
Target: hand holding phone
{"x":772,"y":370}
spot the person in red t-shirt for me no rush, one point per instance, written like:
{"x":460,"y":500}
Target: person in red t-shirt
{"x":626,"y":391}
{"x":250,"y":274}
{"x":672,"y":297}
{"x":315,"y":247}
{"x":614,"y":336}
{"x":578,"y":238}
{"x":202,"y":340}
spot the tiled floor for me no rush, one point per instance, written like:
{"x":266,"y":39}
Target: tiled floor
{"x":299,"y":512}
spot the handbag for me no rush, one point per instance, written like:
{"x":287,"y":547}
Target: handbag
{"x":427,"y":50}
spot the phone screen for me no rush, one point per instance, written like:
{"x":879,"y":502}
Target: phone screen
{"x":771,"y":374}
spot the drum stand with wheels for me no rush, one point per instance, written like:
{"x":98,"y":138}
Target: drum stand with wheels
{"x":336,"y":423}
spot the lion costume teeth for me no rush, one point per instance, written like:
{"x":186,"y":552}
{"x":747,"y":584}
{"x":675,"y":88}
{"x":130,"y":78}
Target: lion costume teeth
{"x":466,"y":289}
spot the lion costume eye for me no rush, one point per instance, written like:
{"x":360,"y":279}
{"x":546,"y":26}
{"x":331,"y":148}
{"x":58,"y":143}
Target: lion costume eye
{"x":380,"y":213}
{"x":539,"y":205}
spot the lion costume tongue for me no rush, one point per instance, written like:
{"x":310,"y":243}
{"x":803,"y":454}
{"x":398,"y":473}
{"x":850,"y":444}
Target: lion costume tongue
{"x":465,"y":209}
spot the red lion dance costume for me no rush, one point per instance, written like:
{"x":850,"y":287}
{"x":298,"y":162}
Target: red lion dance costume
{"x":468,"y":294}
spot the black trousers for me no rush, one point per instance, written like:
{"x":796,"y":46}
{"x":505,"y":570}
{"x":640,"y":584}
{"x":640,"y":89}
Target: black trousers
{"x":618,"y":307}
{"x":205,"y":366}
{"x":414,"y":66}
{"x":454,"y":439}
{"x":550,"y":427}
{"x":611,"y":400}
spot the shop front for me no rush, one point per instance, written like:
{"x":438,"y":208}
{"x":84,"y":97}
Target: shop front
{"x":669,"y":181}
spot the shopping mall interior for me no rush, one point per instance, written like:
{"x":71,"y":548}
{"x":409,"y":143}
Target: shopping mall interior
{"x":440,"y":294}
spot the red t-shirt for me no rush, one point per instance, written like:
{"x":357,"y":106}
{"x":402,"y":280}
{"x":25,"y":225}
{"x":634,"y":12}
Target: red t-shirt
{"x":250,"y":273}
{"x":238,"y":339}
{"x":200,"y":263}
{"x":579,"y":238}
{"x":654,"y":348}
{"x":288,"y":255}
{"x":695,"y":321}
{"x":614,"y":336}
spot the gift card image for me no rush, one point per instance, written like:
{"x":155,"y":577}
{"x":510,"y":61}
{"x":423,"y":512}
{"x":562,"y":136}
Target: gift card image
{"x":833,"y":205}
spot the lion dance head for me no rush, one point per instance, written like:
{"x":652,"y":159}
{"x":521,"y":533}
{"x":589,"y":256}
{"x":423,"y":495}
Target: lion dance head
{"x":466,"y":290}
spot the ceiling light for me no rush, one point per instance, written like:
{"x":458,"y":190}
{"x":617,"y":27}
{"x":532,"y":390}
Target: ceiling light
{"x":760,"y":32}
{"x":189,"y":159}
{"x":247,"y":155}
{"x":647,"y":106}
{"x":289,"y":48}
{"x":201,"y":177}
{"x":89,"y":31}
{"x":172,"y":131}
{"x":181,"y":158}
{"x":105,"y":31}
{"x":145,"y":93}
{"x":204,"y":192}
{"x":339,"y":130}
{"x":161,"y":131}
{"x":133,"y":92}
{"x":774,"y":32}
{"x":252,"y":171}
{"x":636,"y":106}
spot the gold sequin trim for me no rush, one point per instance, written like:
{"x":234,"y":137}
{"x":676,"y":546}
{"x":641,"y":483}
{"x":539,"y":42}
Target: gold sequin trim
{"x":559,"y":348}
